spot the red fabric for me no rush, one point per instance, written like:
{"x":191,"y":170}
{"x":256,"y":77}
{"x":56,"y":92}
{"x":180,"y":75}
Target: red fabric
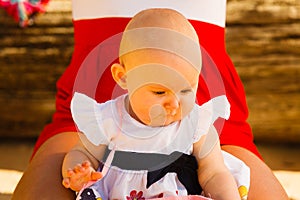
{"x":92,"y":61}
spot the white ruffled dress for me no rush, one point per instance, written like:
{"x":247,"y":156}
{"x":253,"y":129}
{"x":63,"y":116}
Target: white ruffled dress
{"x":110,"y":124}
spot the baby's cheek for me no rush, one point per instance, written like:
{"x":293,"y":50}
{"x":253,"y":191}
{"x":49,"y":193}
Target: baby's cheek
{"x":156,"y":110}
{"x":157,"y":115}
{"x":187,"y":104}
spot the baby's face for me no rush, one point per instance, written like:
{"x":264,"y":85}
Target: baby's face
{"x":161,"y":86}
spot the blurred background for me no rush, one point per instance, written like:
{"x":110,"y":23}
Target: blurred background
{"x":262,"y":38}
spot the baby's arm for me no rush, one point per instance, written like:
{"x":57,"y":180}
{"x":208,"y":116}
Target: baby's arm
{"x":80,"y":164}
{"x":213,"y":175}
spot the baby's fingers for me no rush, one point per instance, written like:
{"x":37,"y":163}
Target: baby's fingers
{"x":96,"y":176}
{"x":86,"y":164}
{"x":78,"y":168}
{"x":70,"y":173}
{"x":66,"y":182}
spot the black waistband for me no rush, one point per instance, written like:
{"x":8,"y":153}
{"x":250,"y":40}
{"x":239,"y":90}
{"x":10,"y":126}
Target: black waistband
{"x":142,"y":161}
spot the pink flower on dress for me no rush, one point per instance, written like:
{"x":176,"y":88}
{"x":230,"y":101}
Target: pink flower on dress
{"x":134,"y":195}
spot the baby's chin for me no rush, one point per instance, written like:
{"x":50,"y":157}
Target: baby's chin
{"x":163,"y":121}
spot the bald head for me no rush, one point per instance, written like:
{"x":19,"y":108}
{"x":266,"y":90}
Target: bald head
{"x":161,"y":30}
{"x":163,"y":18}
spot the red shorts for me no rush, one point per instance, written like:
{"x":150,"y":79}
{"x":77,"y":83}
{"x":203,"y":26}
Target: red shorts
{"x":218,"y":76}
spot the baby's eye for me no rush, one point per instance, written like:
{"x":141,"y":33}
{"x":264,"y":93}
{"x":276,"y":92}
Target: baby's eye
{"x":186,"y":91}
{"x":158,"y":92}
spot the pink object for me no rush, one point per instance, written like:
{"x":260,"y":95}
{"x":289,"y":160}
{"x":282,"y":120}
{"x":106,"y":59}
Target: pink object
{"x":23,"y":11}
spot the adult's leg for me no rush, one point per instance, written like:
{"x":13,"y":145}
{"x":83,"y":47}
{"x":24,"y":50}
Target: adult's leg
{"x":263,"y":184}
{"x":42,"y":178}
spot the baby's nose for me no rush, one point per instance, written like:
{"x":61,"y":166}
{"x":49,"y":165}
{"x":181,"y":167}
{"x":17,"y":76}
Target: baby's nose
{"x":172,"y":103}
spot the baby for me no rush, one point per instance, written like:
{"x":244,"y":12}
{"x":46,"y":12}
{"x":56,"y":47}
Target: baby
{"x":156,"y":141}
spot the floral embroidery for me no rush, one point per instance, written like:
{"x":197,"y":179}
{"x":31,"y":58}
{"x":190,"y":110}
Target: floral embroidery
{"x":134,"y":195}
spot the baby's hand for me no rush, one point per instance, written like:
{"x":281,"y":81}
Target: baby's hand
{"x":80,"y":175}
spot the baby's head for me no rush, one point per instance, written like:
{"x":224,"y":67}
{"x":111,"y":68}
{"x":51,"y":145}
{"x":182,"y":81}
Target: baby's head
{"x":160,"y":62}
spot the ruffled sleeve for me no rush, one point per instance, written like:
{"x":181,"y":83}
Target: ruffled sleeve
{"x":86,"y":113}
{"x":209,"y":112}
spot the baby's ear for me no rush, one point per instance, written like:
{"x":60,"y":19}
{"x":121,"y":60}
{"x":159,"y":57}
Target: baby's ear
{"x":119,"y":75}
